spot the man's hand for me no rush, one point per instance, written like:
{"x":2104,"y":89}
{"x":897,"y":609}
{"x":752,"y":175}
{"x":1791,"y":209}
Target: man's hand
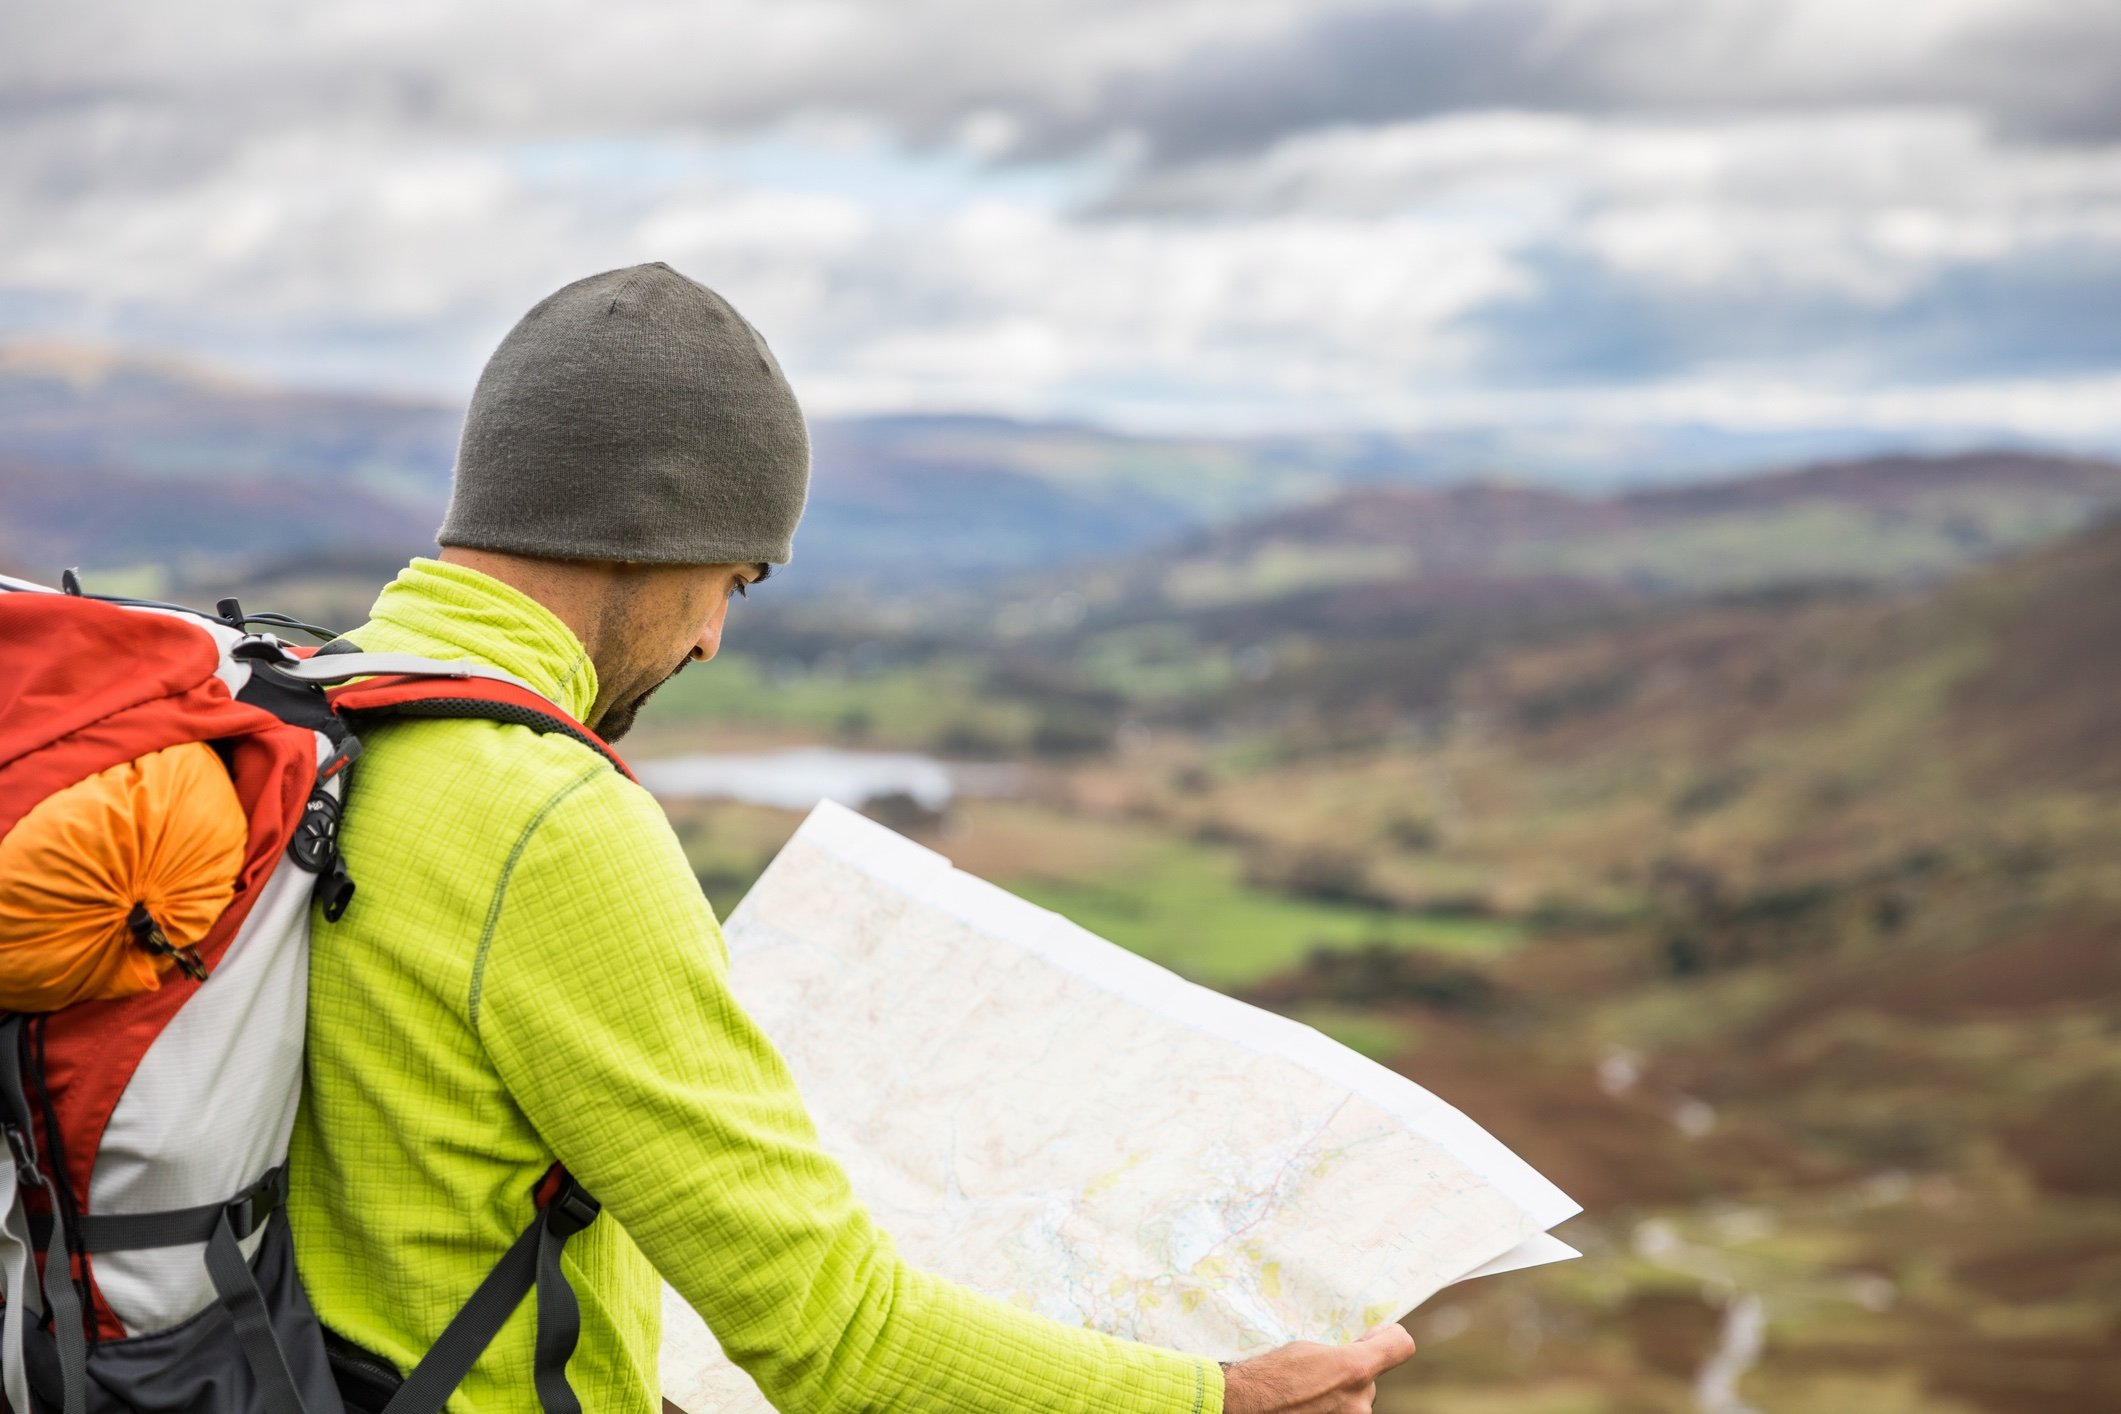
{"x":1316,"y":1379}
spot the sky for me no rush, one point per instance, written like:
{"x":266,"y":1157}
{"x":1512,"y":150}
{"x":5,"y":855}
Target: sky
{"x":1225,"y":217}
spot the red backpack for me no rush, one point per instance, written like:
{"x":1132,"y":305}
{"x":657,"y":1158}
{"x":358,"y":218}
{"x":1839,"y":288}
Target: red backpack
{"x":150,"y":1071}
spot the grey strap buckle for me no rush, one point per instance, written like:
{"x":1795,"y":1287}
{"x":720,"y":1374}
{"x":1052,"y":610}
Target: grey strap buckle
{"x":23,"y":1146}
{"x":254,"y":1209}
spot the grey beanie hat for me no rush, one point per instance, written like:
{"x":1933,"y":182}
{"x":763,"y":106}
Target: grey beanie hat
{"x":631,"y":416}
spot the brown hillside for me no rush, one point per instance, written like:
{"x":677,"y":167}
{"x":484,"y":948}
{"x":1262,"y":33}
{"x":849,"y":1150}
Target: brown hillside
{"x":2046,"y":708}
{"x":2011,"y":674}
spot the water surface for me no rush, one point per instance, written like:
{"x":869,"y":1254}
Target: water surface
{"x":799,"y":778}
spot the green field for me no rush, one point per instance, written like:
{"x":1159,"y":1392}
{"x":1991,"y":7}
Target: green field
{"x":1190,"y":909}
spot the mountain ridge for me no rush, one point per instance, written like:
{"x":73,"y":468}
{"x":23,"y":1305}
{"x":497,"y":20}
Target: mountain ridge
{"x":114,"y":459}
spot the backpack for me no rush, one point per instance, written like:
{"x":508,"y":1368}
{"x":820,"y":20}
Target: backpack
{"x":152,"y":1060}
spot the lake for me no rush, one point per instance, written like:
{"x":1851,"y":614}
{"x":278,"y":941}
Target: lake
{"x":799,"y":778}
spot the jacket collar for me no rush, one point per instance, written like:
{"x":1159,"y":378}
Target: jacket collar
{"x":450,"y":611}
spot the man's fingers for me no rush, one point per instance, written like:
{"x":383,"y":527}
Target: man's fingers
{"x":1386,"y":1347}
{"x":1316,"y":1377}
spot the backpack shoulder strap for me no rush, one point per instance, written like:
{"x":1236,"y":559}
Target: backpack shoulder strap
{"x":325,"y":667}
{"x":480,"y":695}
{"x":529,"y":1269}
{"x":406,"y":685}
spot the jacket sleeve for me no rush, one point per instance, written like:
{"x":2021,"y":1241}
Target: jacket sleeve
{"x":603,"y":1001}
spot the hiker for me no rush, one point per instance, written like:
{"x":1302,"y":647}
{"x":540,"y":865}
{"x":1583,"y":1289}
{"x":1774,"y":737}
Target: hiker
{"x":529,"y":973}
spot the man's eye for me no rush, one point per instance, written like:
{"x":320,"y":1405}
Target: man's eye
{"x":741,"y":588}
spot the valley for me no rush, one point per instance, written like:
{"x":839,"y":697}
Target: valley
{"x":1746,"y":853}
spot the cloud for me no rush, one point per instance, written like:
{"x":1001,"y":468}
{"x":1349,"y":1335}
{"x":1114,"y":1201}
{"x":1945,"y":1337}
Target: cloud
{"x":1255,"y":213}
{"x":163,"y":88}
{"x":2038,"y":69}
{"x":1870,"y":243}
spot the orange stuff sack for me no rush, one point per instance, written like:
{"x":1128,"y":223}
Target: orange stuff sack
{"x":165,"y":832}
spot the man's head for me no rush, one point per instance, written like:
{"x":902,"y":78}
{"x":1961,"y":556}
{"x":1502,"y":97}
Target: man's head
{"x":632,"y":457}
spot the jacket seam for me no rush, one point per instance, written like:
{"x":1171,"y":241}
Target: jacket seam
{"x":500,"y":893}
{"x":581,"y":661}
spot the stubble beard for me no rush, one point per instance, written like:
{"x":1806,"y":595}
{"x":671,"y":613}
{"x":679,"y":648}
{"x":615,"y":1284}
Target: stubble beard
{"x":619,"y":720}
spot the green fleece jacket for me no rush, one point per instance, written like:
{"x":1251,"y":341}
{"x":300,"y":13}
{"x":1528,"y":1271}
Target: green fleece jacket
{"x":528,"y":973}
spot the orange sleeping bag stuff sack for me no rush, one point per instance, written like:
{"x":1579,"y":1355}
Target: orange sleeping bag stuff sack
{"x":108,"y":884}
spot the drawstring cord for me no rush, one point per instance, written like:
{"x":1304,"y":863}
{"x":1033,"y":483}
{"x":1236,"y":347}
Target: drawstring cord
{"x":149,"y":935}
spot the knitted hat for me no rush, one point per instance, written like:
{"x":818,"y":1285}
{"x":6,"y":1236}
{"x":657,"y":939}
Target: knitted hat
{"x":631,"y":416}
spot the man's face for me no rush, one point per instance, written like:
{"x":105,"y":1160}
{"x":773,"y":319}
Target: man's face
{"x":658,"y":619}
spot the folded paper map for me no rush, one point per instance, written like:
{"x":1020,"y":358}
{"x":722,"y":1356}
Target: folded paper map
{"x":1043,"y":1116}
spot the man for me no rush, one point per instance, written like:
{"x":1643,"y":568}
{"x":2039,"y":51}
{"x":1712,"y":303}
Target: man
{"x":529,"y":973}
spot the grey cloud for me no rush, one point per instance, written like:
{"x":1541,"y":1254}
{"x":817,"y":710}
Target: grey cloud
{"x":1365,"y":65}
{"x":1074,"y":75}
{"x":2046,"y":70}
{"x":2053,"y":71}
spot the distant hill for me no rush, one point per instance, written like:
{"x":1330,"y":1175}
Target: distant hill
{"x":928,"y":497}
{"x":192,"y":526}
{"x":1883,"y":520}
{"x":112,"y":459}
{"x":64,"y":406}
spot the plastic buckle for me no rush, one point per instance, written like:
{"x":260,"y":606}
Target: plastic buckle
{"x":261,"y":648}
{"x":570,"y":1208}
{"x":334,"y":889}
{"x":253,"y":1210}
{"x":24,"y":1148}
{"x":577,"y":1209}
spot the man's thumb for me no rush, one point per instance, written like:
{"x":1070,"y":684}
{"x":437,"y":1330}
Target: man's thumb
{"x":1388,"y":1344}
